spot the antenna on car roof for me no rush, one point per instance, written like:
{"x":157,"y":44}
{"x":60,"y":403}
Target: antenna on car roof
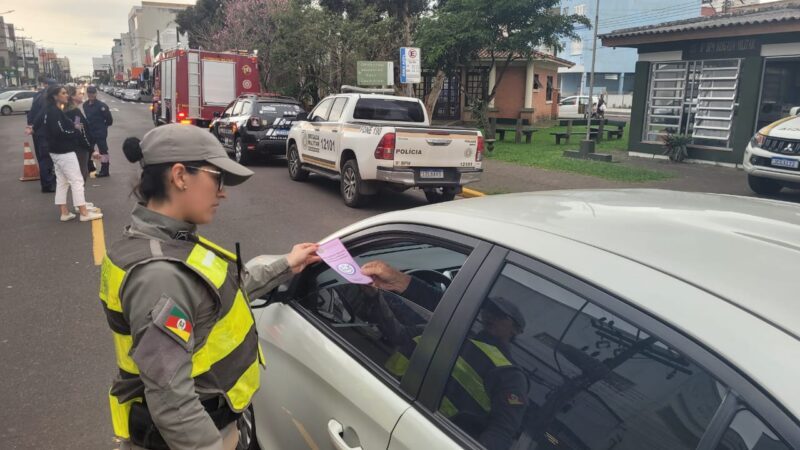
{"x":346,"y":89}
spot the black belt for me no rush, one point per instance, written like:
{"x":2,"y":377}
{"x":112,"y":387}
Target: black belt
{"x":144,"y":432}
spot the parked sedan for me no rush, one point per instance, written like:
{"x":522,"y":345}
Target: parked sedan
{"x":133,"y":95}
{"x":16,"y":101}
{"x":564,"y":320}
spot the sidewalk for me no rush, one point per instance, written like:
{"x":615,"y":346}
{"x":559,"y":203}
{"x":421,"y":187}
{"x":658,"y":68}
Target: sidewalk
{"x":502,"y":177}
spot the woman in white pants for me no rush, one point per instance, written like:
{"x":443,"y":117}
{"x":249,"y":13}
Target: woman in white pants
{"x":62,"y":135}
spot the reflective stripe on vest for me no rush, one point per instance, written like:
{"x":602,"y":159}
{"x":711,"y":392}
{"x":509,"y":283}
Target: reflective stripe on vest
{"x":464,"y":373}
{"x":227,"y":363}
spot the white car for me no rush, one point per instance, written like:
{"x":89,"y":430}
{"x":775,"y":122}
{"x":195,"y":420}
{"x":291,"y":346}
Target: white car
{"x":575,"y":106}
{"x":369,"y":142}
{"x":628,"y":319}
{"x":16,"y":101}
{"x":772,"y":158}
{"x":132,"y":95}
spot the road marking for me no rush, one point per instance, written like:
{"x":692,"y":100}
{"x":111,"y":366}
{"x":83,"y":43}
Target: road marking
{"x":115,"y":109}
{"x":471,"y":193}
{"x":98,"y":241}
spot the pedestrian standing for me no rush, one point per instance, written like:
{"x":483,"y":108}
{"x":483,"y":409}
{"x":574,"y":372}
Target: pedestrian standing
{"x":178,"y":305}
{"x":36,"y":129}
{"x":99,"y":117}
{"x":601,"y":107}
{"x":61,"y":137}
{"x":83,"y":147}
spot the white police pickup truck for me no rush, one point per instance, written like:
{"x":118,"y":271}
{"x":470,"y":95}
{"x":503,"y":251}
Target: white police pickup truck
{"x":772,"y":159}
{"x":368,"y":142}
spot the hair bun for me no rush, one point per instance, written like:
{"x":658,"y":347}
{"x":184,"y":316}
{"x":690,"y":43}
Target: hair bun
{"x":132,"y":149}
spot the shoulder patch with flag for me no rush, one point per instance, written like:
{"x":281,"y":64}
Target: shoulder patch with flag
{"x":178,"y":323}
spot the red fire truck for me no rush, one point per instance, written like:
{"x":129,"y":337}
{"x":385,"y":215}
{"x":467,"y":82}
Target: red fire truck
{"x":189,"y":86}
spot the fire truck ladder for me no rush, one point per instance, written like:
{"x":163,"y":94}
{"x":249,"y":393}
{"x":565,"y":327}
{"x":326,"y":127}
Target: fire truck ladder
{"x":194,"y":84}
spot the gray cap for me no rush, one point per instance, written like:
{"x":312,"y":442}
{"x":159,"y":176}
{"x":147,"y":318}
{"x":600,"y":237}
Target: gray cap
{"x":509,"y":309}
{"x":181,"y":143}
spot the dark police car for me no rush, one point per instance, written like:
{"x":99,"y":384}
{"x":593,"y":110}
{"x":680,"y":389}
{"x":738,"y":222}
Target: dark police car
{"x":256,"y":125}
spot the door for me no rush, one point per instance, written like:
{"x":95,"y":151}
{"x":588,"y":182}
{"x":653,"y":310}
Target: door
{"x":311,"y":145}
{"x":222,"y":128}
{"x":331,"y":132}
{"x":568,"y":107}
{"x":24,"y":101}
{"x":231,"y":123}
{"x":448,"y":107}
{"x":342,"y":359}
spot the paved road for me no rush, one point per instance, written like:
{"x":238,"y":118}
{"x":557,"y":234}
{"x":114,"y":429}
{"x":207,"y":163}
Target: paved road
{"x":56,"y":355}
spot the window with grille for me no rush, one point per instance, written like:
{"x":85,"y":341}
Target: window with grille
{"x":580,"y":10}
{"x":549,"y":94}
{"x":696,"y":98}
{"x":477,"y":85}
{"x":536,"y":83}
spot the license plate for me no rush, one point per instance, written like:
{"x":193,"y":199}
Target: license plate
{"x":431,"y":173}
{"x":282,"y":133}
{"x":785,"y":162}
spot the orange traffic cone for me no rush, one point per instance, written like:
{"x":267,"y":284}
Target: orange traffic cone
{"x":30,"y":169}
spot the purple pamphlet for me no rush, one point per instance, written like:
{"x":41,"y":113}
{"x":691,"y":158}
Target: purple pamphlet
{"x":338,"y":258}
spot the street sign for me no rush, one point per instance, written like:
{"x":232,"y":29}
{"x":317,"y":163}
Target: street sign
{"x":375,"y":73}
{"x":410,"y":65}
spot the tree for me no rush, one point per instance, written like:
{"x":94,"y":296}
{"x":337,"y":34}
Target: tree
{"x":202,"y":22}
{"x":459,"y":32}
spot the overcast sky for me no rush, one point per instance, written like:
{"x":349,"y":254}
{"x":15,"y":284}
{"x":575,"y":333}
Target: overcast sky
{"x":78,"y":29}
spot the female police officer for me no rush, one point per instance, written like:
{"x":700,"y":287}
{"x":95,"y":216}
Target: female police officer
{"x":185,"y":341}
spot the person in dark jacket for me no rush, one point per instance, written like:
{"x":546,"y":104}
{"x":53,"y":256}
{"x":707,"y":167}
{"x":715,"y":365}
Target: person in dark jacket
{"x":99,"y":117}
{"x":47,"y":176}
{"x":83,"y":142}
{"x":61,"y":139}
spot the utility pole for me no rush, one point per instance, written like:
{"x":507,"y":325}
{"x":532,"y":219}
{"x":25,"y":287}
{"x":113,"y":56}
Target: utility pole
{"x":591,"y":80}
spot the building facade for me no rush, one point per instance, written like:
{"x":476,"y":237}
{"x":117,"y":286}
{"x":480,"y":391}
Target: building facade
{"x":27,"y":61}
{"x":117,"y":61}
{"x":716,"y":79}
{"x":145,"y":23}
{"x":614,"y":67}
{"x":7,"y":56}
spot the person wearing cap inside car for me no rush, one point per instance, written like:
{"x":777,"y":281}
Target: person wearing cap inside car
{"x":178,"y":305}
{"x":489,"y":407}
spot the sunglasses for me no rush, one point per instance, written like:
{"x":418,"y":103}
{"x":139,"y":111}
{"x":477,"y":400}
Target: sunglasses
{"x":220,"y":176}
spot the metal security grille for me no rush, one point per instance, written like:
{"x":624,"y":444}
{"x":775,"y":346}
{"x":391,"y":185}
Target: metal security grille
{"x":477,"y":85}
{"x":696,"y":98}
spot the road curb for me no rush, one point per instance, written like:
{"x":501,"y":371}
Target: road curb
{"x":471,"y":193}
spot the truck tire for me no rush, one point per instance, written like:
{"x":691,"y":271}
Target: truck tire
{"x":763,"y":186}
{"x":351,"y":184}
{"x":296,"y":172}
{"x":439,"y":195}
{"x":239,"y":155}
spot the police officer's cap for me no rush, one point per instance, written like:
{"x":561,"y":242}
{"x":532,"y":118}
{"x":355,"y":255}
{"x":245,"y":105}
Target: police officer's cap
{"x":91,"y":90}
{"x":504,"y":306}
{"x":175,"y":143}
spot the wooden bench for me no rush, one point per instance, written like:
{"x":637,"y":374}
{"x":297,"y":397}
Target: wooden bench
{"x":527,"y":132}
{"x":595,"y":133}
{"x":519,"y":127}
{"x":565,"y":136}
{"x":616,"y":134}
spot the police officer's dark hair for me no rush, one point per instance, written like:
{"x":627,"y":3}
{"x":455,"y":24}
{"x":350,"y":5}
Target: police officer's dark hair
{"x":51,"y":92}
{"x":153,"y":182}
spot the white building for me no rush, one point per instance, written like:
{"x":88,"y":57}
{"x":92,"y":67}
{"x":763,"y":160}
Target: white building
{"x":104,"y":63}
{"x":146,"y":22}
{"x":127,"y":54}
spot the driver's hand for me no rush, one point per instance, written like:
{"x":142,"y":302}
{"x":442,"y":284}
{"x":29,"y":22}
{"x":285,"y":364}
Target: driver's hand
{"x":386,"y":277}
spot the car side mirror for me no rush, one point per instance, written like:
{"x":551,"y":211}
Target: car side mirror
{"x":301,"y":117}
{"x":12,"y":99}
{"x":216,"y":115}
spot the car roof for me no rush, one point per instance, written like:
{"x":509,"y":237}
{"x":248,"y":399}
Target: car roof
{"x":743,"y":250}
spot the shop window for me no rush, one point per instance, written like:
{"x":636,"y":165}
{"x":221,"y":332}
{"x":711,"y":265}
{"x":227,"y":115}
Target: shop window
{"x":695,"y":98}
{"x":549,"y":94}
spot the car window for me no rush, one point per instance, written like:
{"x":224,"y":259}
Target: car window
{"x":569,"y":101}
{"x":6,"y":95}
{"x":542,"y":368}
{"x":337,"y":108}
{"x":389,"y":110}
{"x":748,"y":432}
{"x":320,"y":113}
{"x":24,"y":95}
{"x":384,"y":325}
{"x":270,"y":111}
{"x":238,"y":108}
{"x":228,"y":111}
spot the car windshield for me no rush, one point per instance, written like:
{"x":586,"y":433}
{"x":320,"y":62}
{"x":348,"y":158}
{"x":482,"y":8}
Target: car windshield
{"x":271,"y":111}
{"x":389,"y":110}
{"x":6,"y":95}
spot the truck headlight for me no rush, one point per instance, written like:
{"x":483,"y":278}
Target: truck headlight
{"x":758,"y":140}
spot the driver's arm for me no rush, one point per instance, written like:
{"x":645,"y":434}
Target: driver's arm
{"x":388,"y":278}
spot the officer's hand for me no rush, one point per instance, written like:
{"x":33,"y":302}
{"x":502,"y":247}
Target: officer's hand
{"x":301,"y":256}
{"x":28,"y":130}
{"x":386,"y":277}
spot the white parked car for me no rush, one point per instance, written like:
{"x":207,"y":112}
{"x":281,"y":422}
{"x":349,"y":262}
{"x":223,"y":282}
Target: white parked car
{"x":575,"y":106}
{"x":368,"y":142}
{"x":630,"y":319}
{"x":772,"y":158}
{"x":132,"y":95}
{"x":16,"y":101}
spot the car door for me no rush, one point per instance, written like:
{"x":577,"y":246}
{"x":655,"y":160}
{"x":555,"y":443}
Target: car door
{"x":568,"y":107}
{"x":24,"y":101}
{"x":330,"y":132}
{"x":311,"y":147}
{"x":226,"y":126}
{"x":344,"y":361}
{"x":568,"y":366}
{"x":223,"y":121}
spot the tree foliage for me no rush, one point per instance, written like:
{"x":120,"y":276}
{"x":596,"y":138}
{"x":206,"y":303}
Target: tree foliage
{"x":202,"y":22}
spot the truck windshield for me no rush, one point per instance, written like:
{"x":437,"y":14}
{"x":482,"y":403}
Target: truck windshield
{"x":272,"y":111}
{"x":389,"y":110}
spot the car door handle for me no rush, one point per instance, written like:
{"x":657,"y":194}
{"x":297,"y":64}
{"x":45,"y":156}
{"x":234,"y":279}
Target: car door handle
{"x":335,"y":431}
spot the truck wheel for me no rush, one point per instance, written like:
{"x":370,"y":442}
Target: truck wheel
{"x":239,"y":155}
{"x":439,"y":195}
{"x":763,"y":186}
{"x":350,"y":184}
{"x":6,"y":110}
{"x":296,"y":172}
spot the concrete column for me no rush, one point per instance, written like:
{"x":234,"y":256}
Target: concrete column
{"x":529,"y":86}
{"x":492,"y":81}
{"x":621,"y":82}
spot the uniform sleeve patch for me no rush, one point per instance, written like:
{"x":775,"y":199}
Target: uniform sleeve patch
{"x":514,"y":400}
{"x":174,"y":321}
